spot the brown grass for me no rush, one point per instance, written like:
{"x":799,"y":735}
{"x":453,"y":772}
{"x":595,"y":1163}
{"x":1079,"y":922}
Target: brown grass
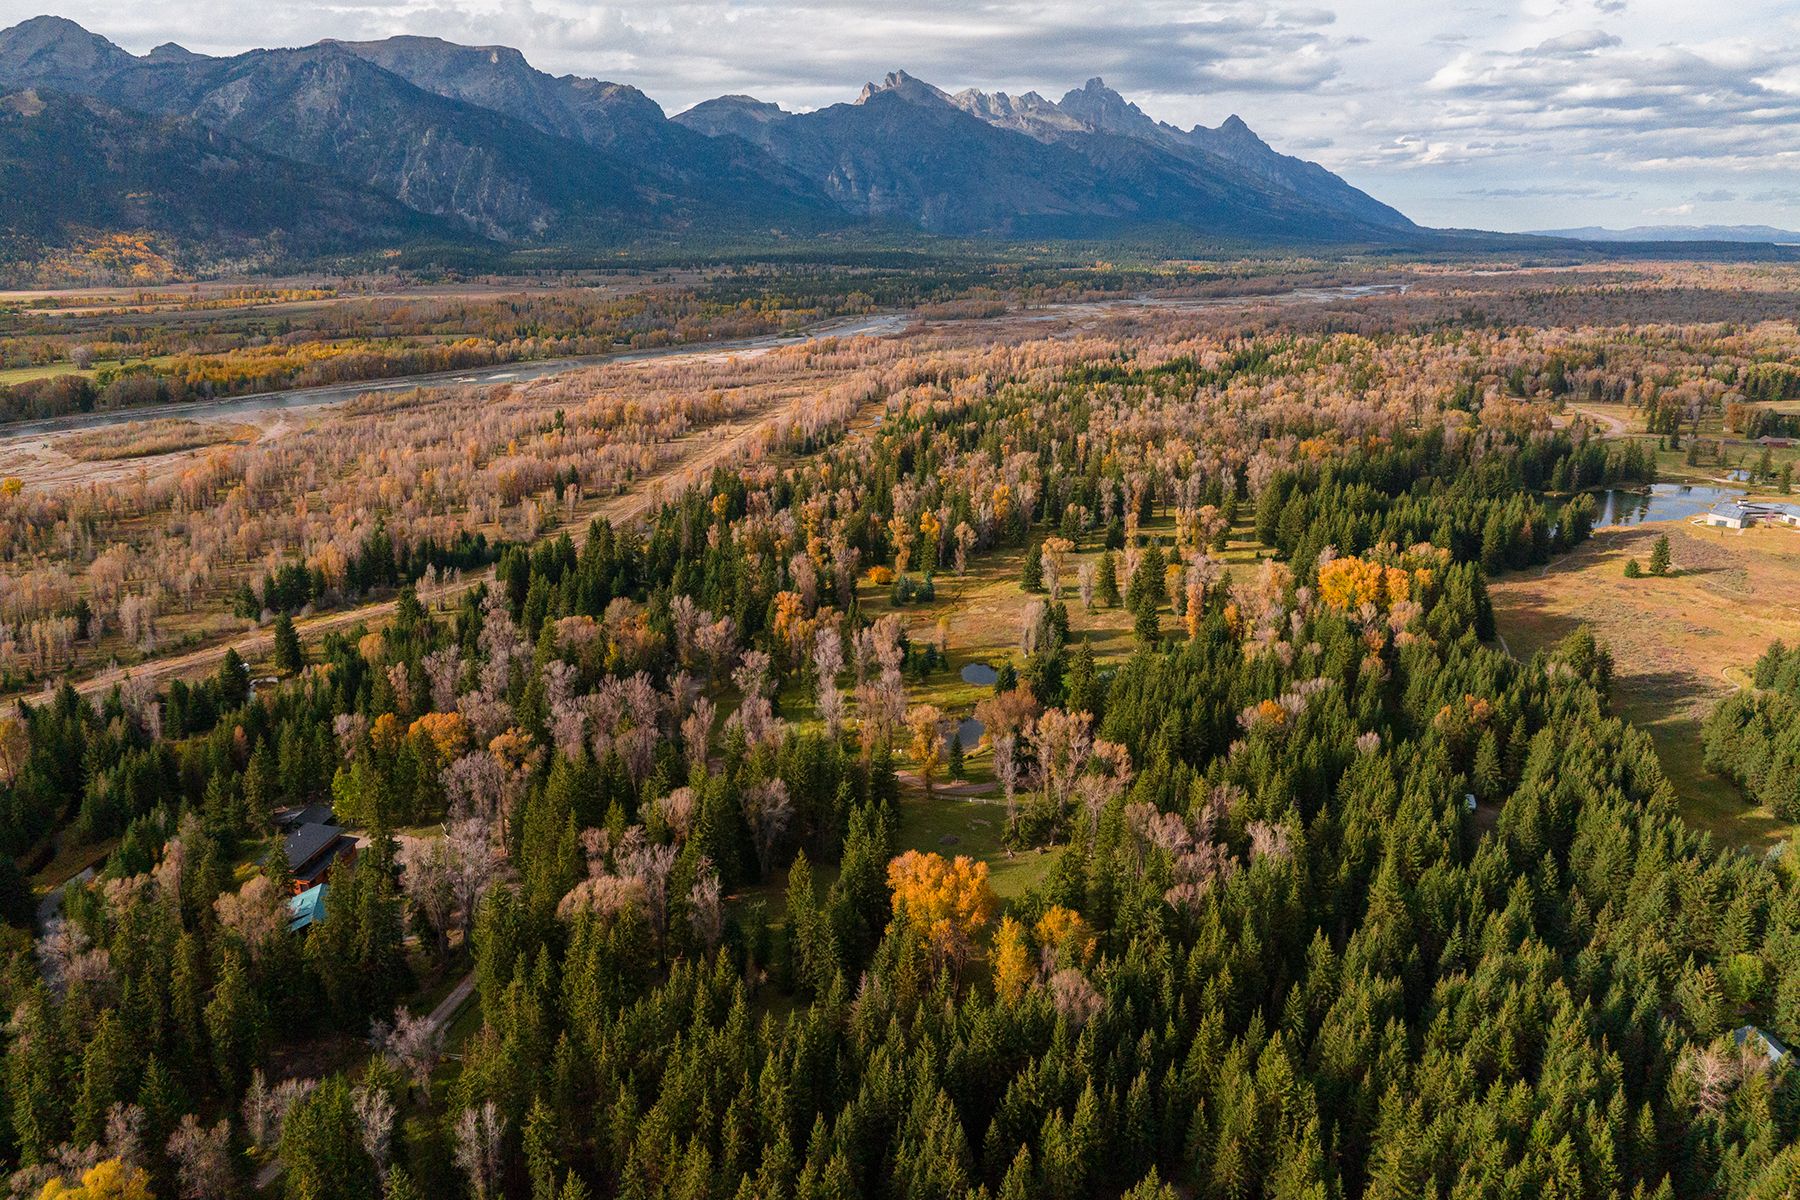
{"x":1679,"y":643}
{"x":145,"y":439}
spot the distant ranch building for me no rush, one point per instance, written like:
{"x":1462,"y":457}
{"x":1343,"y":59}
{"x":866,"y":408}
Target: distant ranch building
{"x":1742,"y":514}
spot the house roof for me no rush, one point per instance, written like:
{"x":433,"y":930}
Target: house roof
{"x":307,"y":907}
{"x":1750,"y":1037}
{"x":311,"y":814}
{"x":308,"y":842}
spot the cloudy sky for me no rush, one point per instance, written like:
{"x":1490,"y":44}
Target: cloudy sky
{"x":1540,"y":114}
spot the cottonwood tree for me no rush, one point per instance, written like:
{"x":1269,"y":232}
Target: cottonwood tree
{"x":202,"y":1159}
{"x":926,"y":722}
{"x":768,"y":811}
{"x":828,"y":664}
{"x":480,"y":1147}
{"x":706,"y":906}
{"x":949,"y":901}
{"x":375,"y":1123}
{"x":413,"y":1043}
{"x":257,"y":913}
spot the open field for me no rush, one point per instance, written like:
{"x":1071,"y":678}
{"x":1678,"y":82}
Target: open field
{"x":1679,"y":643}
{"x":47,"y":371}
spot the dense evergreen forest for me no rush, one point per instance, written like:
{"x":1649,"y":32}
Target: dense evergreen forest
{"x":1345,"y":900}
{"x":1753,"y":737}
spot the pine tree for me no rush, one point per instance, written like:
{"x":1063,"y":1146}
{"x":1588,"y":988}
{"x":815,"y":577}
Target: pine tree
{"x":235,"y":1022}
{"x":289,"y":657}
{"x":1486,"y":771}
{"x":400,"y":1186}
{"x":1106,"y":580}
{"x":321,"y":1146}
{"x":1031,"y":575}
{"x":1659,"y":556}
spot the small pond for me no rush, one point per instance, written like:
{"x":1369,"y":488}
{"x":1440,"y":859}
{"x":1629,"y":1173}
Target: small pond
{"x":1663,"y":502}
{"x":979,"y":674}
{"x":969,"y":732}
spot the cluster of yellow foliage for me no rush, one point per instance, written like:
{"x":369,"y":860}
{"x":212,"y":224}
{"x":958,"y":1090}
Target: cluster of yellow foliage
{"x":949,"y":899}
{"x":900,"y":537}
{"x":132,"y":253}
{"x":385,"y":734}
{"x":1349,"y":583}
{"x":1062,"y":936}
{"x":1269,"y":712}
{"x":926,"y":723}
{"x":109,"y":1180}
{"x":511,"y":748}
{"x":1316,"y":449}
{"x":1456,"y":718}
{"x":1067,"y":937}
{"x":277,"y":364}
{"x":880,"y":576}
{"x":1013,"y":972}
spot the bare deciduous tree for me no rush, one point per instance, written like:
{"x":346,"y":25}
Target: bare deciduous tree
{"x":375,"y":1124}
{"x":767,"y":810}
{"x":202,"y":1158}
{"x":414,"y":1044}
{"x":480,"y":1145}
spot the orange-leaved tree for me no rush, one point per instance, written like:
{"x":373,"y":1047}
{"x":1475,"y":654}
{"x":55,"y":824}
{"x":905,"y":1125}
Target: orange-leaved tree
{"x":947,"y":900}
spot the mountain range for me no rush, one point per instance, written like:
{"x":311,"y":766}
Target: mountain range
{"x":360,"y":145}
{"x":1753,"y":234}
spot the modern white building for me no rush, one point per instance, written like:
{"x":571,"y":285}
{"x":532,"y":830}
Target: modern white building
{"x":1742,"y":514}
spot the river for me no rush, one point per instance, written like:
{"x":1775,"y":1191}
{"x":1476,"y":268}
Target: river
{"x":303,"y":399}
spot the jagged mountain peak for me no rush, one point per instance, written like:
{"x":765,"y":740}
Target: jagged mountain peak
{"x":1104,"y":109}
{"x":906,"y":87}
{"x":1234,"y":127}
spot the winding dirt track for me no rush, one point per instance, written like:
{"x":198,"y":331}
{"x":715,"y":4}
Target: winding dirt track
{"x":1614,"y":427}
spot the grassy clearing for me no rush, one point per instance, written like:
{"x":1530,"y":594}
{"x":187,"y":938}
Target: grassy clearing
{"x":976,"y":618}
{"x":11,"y":375}
{"x":69,"y":861}
{"x":979,"y":615}
{"x":950,"y":826}
{"x":1679,"y":643}
{"x":1624,"y":423}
